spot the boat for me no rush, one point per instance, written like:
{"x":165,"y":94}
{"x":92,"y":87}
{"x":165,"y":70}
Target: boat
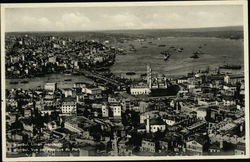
{"x":25,"y":81}
{"x":67,"y":80}
{"x":233,"y":67}
{"x":165,"y":52}
{"x":195,"y":56}
{"x":180,"y":49}
{"x":162,"y":45}
{"x":144,"y":47}
{"x":130,"y":73}
{"x":13,"y":82}
{"x":166,"y":57}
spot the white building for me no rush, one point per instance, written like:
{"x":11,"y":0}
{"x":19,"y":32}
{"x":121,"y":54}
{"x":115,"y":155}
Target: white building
{"x":140,"y":90}
{"x":105,"y":111}
{"x":68,"y":107}
{"x":116,"y":109}
{"x":91,"y":90}
{"x":50,"y":86}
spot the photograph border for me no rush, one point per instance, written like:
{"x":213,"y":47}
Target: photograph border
{"x":121,"y":4}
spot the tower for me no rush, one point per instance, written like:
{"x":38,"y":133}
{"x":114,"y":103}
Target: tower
{"x":149,"y":76}
{"x":147,"y":125}
{"x":114,"y":145}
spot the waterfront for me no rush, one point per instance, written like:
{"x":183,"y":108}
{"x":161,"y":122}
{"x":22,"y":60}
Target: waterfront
{"x":217,"y":52}
{"x":40,"y":81}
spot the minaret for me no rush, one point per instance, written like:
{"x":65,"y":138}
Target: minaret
{"x":147,"y":125}
{"x":114,"y":145}
{"x":149,"y":76}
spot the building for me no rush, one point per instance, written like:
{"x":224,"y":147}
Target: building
{"x":116,"y":110}
{"x":50,"y":86}
{"x":157,"y":125}
{"x":240,"y":149}
{"x":91,"y":90}
{"x":140,"y":90}
{"x":68,"y":107}
{"x":194,"y":147}
{"x":148,"y":146}
{"x":105,"y":111}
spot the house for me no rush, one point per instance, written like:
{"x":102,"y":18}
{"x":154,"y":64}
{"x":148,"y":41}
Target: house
{"x":228,"y":101}
{"x":140,"y":90}
{"x":196,"y":146}
{"x":201,"y":113}
{"x":27,"y":113}
{"x":50,"y":86}
{"x":163,"y":145}
{"x":116,"y":110}
{"x":105,"y":111}
{"x":148,"y":146}
{"x":151,"y":114}
{"x":68,"y":106}
{"x":67,"y":92}
{"x":90,"y":89}
{"x":240,"y":149}
{"x":87,"y":151}
{"x":123,"y":149}
{"x":215,"y":148}
{"x":156,"y":125}
{"x":73,"y":126}
{"x":182,"y":80}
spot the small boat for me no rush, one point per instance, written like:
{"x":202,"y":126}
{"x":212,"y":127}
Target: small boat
{"x":195,"y":56}
{"x":166,"y":57}
{"x":130,"y":73}
{"x":180,"y":49}
{"x":233,"y":67}
{"x":162,"y":45}
{"x":67,"y":80}
{"x":13,"y":82}
{"x":25,"y":81}
{"x":144,"y":47}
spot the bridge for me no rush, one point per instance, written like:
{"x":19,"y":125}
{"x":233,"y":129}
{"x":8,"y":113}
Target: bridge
{"x":101,"y":77}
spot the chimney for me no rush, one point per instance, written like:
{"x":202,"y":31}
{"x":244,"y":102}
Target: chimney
{"x":148,"y":125}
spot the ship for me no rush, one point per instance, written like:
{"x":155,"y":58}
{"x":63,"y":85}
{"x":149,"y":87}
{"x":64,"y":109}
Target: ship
{"x":233,"y":67}
{"x":13,"y":82}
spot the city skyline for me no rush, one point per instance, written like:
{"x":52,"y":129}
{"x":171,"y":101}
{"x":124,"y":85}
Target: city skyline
{"x":122,"y":18}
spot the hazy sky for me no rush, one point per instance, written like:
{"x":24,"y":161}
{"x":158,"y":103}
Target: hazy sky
{"x":108,"y":18}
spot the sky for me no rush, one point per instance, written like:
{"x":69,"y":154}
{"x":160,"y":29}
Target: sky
{"x":123,"y":17}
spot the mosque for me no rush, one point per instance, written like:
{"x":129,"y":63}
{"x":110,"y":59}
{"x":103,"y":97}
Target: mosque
{"x":154,"y":81}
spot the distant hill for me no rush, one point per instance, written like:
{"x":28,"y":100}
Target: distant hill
{"x":229,"y":32}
